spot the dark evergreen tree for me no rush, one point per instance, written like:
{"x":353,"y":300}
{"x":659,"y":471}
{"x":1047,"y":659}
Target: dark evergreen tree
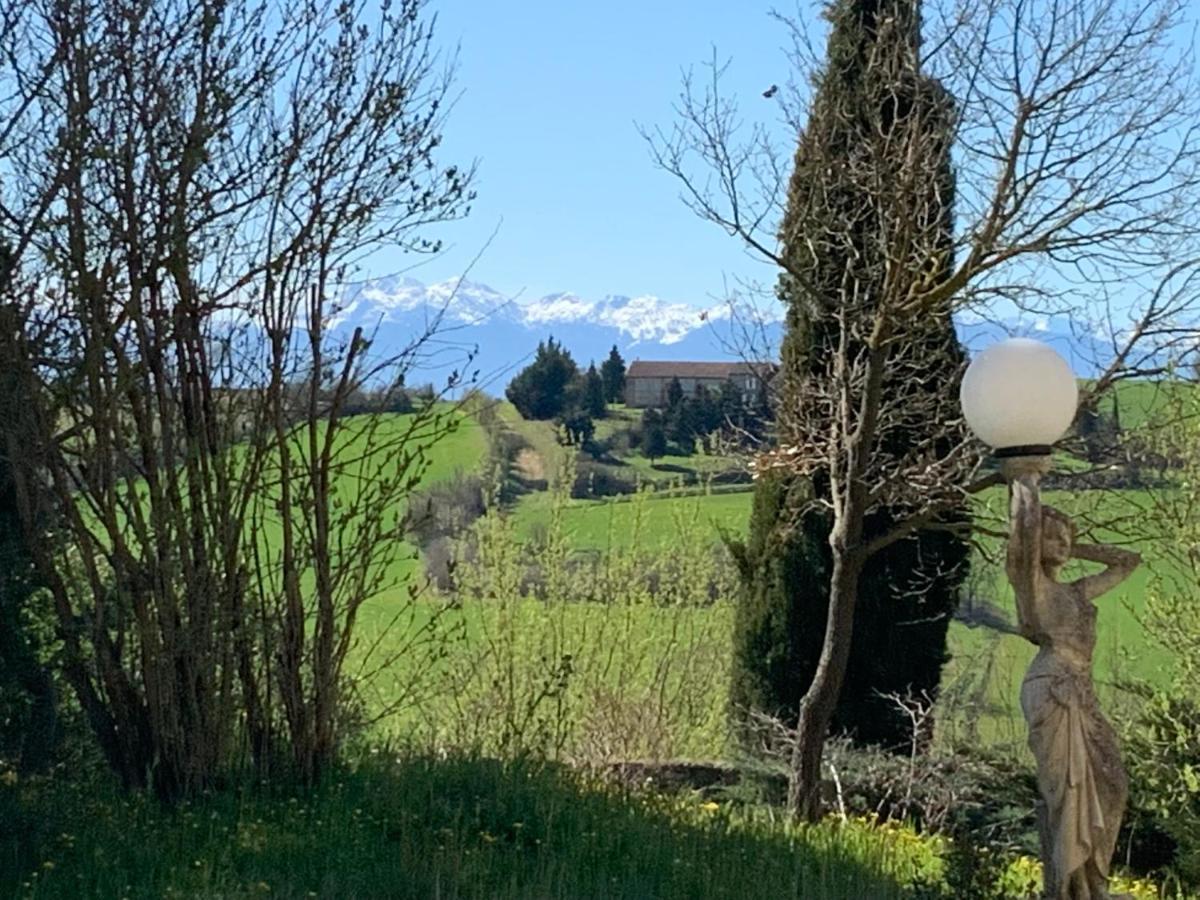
{"x":540,"y":390}
{"x":683,"y":425}
{"x":731,"y":407}
{"x":674,"y":393}
{"x":613,"y":373}
{"x":593,"y":394}
{"x":1100,"y":432}
{"x":1089,"y":427}
{"x":396,"y":398}
{"x":654,"y":436}
{"x":707,"y":411}
{"x":908,"y":592}
{"x":577,"y":425}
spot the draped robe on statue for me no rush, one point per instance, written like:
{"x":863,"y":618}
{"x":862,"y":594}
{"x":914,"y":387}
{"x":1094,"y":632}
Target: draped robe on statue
{"x":1080,"y":776}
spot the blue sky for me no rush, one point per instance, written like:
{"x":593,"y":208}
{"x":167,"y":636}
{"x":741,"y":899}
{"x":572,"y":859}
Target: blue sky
{"x":549,"y":96}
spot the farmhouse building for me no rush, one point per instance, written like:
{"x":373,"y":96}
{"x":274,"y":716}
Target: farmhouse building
{"x":646,"y":381}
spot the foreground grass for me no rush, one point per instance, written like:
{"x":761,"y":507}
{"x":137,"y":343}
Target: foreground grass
{"x":424,"y":828}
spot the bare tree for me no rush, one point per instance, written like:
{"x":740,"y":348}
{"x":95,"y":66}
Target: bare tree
{"x":1077,"y":157}
{"x":216,"y":171}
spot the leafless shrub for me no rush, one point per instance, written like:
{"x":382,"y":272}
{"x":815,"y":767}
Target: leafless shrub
{"x":209,"y":176}
{"x":438,"y":559}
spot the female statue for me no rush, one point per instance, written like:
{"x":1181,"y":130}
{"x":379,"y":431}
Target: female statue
{"x":1079,"y":772}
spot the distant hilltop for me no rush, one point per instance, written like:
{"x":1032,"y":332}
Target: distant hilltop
{"x":502,"y":332}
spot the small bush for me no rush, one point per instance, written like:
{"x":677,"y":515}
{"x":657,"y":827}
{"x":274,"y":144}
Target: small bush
{"x":438,"y":559}
{"x":446,"y":509}
{"x":1163,"y":757}
{"x":596,"y":480}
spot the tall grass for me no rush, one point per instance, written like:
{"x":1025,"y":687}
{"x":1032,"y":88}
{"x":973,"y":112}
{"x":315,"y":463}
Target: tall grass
{"x":425,"y":828}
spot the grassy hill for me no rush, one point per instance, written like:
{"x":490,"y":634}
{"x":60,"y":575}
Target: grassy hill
{"x":458,"y":827}
{"x":463,"y":826}
{"x":983,"y":677}
{"x":460,"y":451}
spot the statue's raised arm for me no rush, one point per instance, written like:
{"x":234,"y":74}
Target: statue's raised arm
{"x":1023,"y":563}
{"x":1119,"y":565}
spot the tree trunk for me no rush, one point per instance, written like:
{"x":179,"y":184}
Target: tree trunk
{"x":820,"y":701}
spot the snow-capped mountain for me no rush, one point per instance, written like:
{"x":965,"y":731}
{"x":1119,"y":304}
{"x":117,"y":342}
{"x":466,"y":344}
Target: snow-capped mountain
{"x":646,"y":318}
{"x":500,"y":333}
{"x":462,"y":302}
{"x":488,"y":336}
{"x":392,"y":299}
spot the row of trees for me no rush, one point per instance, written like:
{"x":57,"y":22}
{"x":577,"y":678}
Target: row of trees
{"x":553,"y":387}
{"x":702,"y":416}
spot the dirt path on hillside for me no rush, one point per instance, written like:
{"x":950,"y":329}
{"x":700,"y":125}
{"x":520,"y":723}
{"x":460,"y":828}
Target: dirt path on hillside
{"x":529,"y":465}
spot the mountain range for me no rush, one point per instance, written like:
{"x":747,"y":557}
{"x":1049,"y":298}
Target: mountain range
{"x":487,"y":337}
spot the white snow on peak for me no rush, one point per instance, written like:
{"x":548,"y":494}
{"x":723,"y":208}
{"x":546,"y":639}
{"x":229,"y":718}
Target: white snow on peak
{"x":386,"y":299}
{"x":565,"y":307}
{"x":643,"y":318}
{"x":647,"y":318}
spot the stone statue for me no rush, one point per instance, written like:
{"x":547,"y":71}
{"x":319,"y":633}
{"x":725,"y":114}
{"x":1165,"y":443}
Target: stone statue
{"x":1079,"y":771}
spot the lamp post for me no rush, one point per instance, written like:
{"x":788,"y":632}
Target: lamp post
{"x":1019,"y":397}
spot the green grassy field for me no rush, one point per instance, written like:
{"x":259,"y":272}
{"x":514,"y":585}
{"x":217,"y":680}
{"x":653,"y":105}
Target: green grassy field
{"x":982,"y":680}
{"x":1137,"y":400}
{"x":600,"y":524}
{"x":460,"y":450}
{"x":986,"y":666}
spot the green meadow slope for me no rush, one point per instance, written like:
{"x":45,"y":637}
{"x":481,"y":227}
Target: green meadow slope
{"x":987,"y":665}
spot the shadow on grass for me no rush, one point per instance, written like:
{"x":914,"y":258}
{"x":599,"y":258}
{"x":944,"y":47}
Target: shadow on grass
{"x":673,"y":468}
{"x":424,"y":828}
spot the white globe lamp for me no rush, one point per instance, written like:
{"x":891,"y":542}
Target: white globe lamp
{"x":1019,"y":397}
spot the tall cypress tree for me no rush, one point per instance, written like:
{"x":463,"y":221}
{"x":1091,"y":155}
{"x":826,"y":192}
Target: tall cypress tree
{"x":593,"y":393}
{"x":909,"y":591}
{"x":613,"y":373}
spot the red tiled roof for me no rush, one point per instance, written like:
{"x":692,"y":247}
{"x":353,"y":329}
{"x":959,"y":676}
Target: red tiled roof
{"x":656,"y":369}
